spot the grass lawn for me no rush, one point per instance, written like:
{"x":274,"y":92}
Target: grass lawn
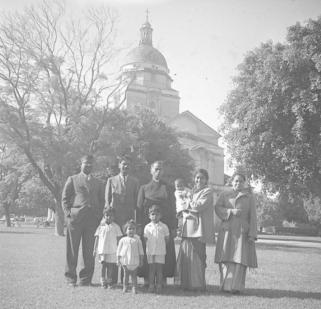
{"x":32,"y":266}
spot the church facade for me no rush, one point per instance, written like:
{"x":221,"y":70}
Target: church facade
{"x":149,"y":86}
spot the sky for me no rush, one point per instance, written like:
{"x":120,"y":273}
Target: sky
{"x":203,"y":41}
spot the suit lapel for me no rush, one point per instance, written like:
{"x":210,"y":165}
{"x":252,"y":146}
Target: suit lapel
{"x":123,"y":183}
{"x":88,"y":182}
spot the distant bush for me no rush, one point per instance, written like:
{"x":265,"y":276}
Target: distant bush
{"x":299,"y":231}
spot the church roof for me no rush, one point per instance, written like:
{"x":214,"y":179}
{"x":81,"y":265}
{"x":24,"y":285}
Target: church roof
{"x":205,"y":128}
{"x":146,"y":54}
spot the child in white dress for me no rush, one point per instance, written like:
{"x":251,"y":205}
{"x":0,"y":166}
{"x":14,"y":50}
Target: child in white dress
{"x":156,"y":234}
{"x":130,"y":255}
{"x":107,"y":236}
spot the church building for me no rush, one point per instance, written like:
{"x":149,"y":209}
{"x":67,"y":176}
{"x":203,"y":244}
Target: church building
{"x":146,"y":73}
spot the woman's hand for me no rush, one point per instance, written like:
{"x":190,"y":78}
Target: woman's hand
{"x":118,"y":261}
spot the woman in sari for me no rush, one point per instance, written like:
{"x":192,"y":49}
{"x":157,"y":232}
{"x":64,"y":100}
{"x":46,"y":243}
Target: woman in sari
{"x":198,"y":230}
{"x":157,"y":192}
{"x":235,"y":248}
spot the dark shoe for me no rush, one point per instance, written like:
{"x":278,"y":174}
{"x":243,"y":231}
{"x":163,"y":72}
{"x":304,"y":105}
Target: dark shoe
{"x":158,"y":289}
{"x":146,"y":283}
{"x":236,"y":292}
{"x":164,"y":283}
{"x":85,"y":284}
{"x":151,"y":288}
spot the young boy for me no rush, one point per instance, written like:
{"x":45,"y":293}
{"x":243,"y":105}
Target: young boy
{"x":156,"y":234}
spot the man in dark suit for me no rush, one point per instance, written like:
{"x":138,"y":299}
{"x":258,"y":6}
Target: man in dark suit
{"x":83,"y":203}
{"x":121,"y":193}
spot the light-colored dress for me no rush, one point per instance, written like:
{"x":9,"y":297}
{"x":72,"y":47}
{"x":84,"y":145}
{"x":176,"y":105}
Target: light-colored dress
{"x":107,"y":241}
{"x":156,"y":234}
{"x":191,"y":260}
{"x":130,"y":249}
{"x":234,"y":252}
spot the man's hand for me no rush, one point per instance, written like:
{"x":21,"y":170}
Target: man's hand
{"x":173,"y":233}
{"x":235,"y":212}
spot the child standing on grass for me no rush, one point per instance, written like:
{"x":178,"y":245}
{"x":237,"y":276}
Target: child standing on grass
{"x":107,"y":236}
{"x":156,"y":234}
{"x":130,"y":255}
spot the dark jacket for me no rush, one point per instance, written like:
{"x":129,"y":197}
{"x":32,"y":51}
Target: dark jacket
{"x":80,"y":195}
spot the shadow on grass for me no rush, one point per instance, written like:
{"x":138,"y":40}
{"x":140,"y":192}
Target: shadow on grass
{"x":214,"y":290}
{"x":316,"y":239}
{"x":286,"y":247}
{"x":270,"y":293}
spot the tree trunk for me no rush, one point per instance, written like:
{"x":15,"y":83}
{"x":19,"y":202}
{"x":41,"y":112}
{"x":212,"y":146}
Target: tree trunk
{"x":6,"y":207}
{"x":59,"y":219}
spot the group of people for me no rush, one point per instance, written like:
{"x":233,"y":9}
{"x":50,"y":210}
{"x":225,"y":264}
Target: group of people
{"x":132,"y":228}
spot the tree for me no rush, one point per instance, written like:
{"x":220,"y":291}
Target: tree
{"x":34,"y":199}
{"x":14,"y":172}
{"x":272,"y":116}
{"x":55,"y":99}
{"x":156,"y":141}
{"x":51,"y":79}
{"x":312,"y":207}
{"x":144,"y":139}
{"x":268,"y":211}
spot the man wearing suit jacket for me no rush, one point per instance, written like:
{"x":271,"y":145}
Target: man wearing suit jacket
{"x":121,"y":194}
{"x":83,"y":203}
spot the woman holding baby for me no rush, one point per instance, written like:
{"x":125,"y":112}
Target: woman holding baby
{"x":197,"y":231}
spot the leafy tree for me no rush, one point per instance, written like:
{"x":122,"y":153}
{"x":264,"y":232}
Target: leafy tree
{"x":55,"y":99}
{"x":268,"y":211}
{"x":51,"y":79}
{"x":312,"y":207}
{"x":272,"y":116}
{"x":34,"y":199}
{"x":14,"y":172}
{"x":292,"y":209}
{"x":144,"y":139}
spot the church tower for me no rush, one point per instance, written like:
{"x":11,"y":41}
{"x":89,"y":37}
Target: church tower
{"x":148,"y":85}
{"x":149,"y":81}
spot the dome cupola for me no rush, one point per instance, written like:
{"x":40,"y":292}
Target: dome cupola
{"x":145,"y":54}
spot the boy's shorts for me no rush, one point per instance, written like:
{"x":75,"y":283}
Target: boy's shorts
{"x":160,"y":259}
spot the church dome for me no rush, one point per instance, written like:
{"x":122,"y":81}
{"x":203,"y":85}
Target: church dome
{"x":146,"y":54}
